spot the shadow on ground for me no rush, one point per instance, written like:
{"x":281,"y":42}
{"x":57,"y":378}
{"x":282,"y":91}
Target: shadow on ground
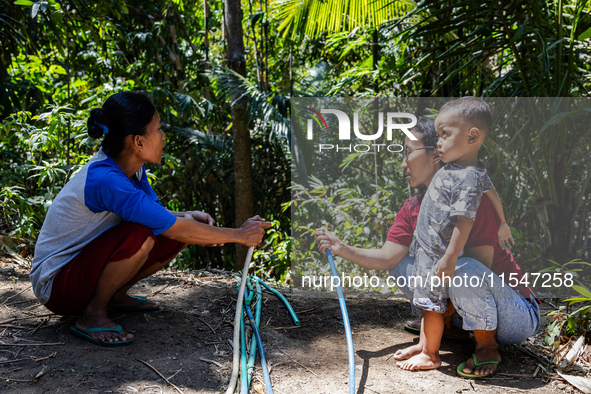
{"x":187,"y":343}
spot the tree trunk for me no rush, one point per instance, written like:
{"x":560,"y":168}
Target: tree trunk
{"x":242,"y":153}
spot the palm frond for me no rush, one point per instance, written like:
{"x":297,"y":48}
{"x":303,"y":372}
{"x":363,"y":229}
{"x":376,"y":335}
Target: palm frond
{"x":263,"y":109}
{"x":314,"y":17}
{"x":214,"y":142}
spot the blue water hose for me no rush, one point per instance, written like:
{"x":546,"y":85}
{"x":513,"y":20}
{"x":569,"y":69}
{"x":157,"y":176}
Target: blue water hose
{"x":261,"y":349}
{"x":346,"y":323}
{"x":292,"y":313}
{"x":237,"y":317}
{"x":246,"y":373}
{"x":243,"y":364}
{"x":253,"y":343}
{"x":246,"y":368}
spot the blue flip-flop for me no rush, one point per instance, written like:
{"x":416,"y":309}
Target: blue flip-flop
{"x":85,"y":334}
{"x":460,"y":369}
{"x":135,"y":307}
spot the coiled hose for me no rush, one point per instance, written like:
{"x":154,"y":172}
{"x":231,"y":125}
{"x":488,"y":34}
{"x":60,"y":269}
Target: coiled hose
{"x":237,"y":317}
{"x":255,"y":330}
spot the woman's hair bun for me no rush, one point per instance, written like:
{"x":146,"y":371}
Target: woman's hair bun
{"x":97,"y":122}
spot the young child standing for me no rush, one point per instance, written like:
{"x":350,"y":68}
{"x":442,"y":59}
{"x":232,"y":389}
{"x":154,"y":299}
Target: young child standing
{"x":446,"y":216}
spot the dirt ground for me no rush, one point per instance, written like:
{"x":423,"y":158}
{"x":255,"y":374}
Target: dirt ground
{"x":187,"y":343}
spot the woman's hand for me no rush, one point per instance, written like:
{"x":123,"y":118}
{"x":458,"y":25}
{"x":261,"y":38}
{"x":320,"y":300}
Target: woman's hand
{"x":252,"y":231}
{"x":505,"y":237}
{"x":327,"y":240}
{"x":199,"y":216}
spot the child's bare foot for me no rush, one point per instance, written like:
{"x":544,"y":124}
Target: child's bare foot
{"x":408,"y":352}
{"x":419,"y":362}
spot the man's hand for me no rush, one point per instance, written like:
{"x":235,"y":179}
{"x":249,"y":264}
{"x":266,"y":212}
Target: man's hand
{"x":252,"y":231}
{"x":505,"y":237}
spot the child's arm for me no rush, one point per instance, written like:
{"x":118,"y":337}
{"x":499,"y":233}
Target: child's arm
{"x":447,"y":264}
{"x":505,"y":237}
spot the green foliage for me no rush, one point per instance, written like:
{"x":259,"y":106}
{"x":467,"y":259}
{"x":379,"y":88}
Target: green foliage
{"x":60,"y":59}
{"x":359,"y":215}
{"x":273,"y":258}
{"x":504,"y":49}
{"x":313,"y":17}
{"x":567,"y":322}
{"x":36,"y":162}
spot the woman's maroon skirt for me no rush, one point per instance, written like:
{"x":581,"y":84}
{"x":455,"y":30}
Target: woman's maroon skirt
{"x":73,"y":286}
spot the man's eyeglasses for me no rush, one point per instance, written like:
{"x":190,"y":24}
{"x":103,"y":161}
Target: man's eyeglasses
{"x":407,"y":151}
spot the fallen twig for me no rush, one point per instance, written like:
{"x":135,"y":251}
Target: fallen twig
{"x":25,"y":318}
{"x":280,"y":328}
{"x":530,"y":353}
{"x":18,"y":258}
{"x":205,"y":360}
{"x":307,"y":311}
{"x":34,"y":306}
{"x":204,"y":322}
{"x":160,"y":289}
{"x":40,"y":324}
{"x":39,"y":374}
{"x":17,"y":302}
{"x":317,"y":310}
{"x":159,"y":374}
{"x":219,"y":325}
{"x":174,"y":374}
{"x":265,"y":326}
{"x":52,"y":355}
{"x":32,"y":344}
{"x":12,"y":326}
{"x":12,"y":296}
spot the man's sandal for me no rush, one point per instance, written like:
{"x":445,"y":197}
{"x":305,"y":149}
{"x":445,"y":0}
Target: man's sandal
{"x":461,"y":367}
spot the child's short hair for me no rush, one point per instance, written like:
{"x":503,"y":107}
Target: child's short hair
{"x":472,"y":110}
